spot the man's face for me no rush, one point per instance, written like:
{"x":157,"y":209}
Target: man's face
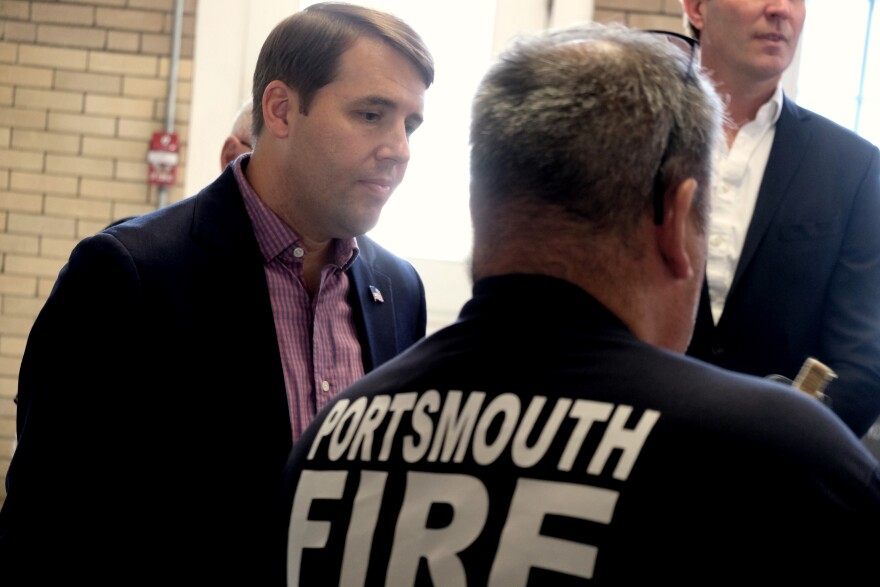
{"x":349,"y":153}
{"x":754,"y":39}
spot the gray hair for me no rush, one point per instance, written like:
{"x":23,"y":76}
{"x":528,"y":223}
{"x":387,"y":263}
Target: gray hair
{"x":581,"y":120}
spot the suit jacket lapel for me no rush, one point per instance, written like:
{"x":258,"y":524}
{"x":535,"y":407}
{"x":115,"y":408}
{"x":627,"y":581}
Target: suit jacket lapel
{"x":374,"y":315}
{"x":789,"y":146}
{"x":222,"y":225}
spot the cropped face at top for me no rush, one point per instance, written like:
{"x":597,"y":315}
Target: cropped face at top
{"x":756,"y":38}
{"x":350,"y":151}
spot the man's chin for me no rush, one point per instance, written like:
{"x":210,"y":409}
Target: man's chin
{"x":361,"y":228}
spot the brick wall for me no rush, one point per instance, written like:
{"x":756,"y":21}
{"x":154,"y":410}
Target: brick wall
{"x":83,"y":85}
{"x":641,"y":14}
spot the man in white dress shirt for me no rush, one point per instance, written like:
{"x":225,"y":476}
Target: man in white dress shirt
{"x":793,"y":266}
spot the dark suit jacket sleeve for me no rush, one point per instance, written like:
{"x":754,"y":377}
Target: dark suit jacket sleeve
{"x":74,"y":420}
{"x":152,"y":418}
{"x":850,"y":340}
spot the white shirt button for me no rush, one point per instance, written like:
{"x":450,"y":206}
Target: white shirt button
{"x":298,"y":252}
{"x":325,"y":385}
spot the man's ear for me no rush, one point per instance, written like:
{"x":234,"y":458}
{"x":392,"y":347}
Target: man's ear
{"x":232,"y":148}
{"x":279,"y":103}
{"x":694,"y":11}
{"x":677,"y":228}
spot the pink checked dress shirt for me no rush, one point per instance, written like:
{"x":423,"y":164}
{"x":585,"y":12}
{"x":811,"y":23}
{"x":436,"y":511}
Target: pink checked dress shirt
{"x":317,"y":338}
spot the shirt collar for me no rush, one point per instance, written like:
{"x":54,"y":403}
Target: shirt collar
{"x":771,"y":110}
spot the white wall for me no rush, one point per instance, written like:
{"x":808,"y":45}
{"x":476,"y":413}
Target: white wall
{"x":229,"y":34}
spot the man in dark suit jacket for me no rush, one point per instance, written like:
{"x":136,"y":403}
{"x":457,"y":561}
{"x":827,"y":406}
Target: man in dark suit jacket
{"x":807,"y":279}
{"x":159,"y":393}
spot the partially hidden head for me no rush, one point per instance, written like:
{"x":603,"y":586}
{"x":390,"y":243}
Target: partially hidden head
{"x":240,"y":139}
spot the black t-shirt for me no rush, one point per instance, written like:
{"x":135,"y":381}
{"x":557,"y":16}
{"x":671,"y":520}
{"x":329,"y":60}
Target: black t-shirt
{"x":537,"y":441}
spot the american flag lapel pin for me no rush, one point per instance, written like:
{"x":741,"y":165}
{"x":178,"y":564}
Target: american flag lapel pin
{"x":377,"y":295}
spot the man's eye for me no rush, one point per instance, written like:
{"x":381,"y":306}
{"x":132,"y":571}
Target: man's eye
{"x":370,"y":116}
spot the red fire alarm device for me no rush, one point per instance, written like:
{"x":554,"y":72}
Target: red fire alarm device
{"x":163,"y":158}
